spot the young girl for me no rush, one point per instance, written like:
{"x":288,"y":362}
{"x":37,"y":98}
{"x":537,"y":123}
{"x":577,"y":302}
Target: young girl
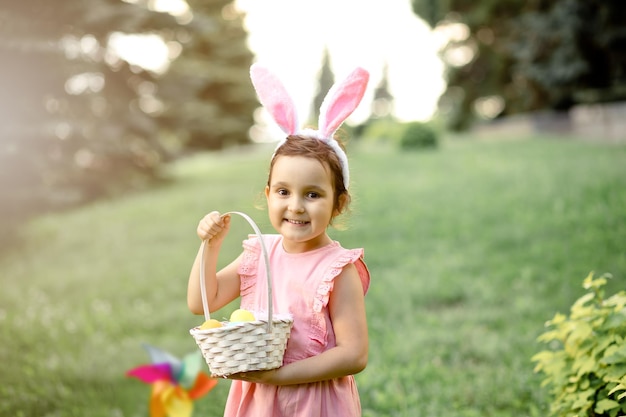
{"x":321,"y":284}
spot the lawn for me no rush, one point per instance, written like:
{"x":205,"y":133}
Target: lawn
{"x":471,"y":247}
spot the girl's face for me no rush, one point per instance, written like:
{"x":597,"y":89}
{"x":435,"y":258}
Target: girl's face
{"x":300,"y":200}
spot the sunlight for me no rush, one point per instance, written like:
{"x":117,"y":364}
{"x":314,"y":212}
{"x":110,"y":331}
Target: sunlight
{"x":414,"y":96}
{"x":150,"y":51}
{"x":177,"y":8}
{"x":173,"y":7}
{"x":489,"y":107}
{"x":459,"y":55}
{"x":389,"y":35}
{"x":85,"y":82}
{"x":147,"y":51}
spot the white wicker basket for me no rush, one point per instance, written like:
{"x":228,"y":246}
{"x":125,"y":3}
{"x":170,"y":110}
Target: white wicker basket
{"x":245,"y":346}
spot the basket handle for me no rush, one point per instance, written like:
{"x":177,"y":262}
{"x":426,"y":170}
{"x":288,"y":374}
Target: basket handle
{"x":205,"y":303}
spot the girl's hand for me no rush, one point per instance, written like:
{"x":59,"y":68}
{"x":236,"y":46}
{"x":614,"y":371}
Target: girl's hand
{"x":213,"y":227}
{"x":259,"y":377}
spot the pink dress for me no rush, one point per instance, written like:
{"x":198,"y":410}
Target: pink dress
{"x":301,"y":286}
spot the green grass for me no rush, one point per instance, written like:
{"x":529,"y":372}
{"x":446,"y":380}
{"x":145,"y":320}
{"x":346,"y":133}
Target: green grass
{"x":471,"y":249}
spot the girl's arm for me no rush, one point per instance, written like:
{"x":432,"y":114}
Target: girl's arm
{"x":347,"y":313}
{"x":221,"y":287}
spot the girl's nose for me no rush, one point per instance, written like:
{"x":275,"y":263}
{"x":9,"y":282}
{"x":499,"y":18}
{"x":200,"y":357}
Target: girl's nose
{"x":295,"y":206}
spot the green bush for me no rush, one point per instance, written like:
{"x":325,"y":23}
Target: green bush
{"x":418,"y":135}
{"x":383,"y":130}
{"x":585,"y":363}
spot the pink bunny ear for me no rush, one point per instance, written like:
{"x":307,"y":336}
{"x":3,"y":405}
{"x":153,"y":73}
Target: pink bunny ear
{"x":341,"y":101}
{"x":274,"y":98}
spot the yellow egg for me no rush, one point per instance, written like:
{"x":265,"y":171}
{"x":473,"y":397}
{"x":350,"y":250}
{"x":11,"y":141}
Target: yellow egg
{"x":240,"y":315}
{"x":211,"y":324}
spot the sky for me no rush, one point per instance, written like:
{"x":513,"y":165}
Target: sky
{"x":289,"y":36}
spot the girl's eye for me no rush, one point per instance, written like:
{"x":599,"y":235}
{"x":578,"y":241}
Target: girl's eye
{"x":282,"y":191}
{"x":313,"y":195}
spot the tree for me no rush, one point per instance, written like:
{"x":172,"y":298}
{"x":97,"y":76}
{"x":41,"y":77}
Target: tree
{"x":69,"y":123}
{"x":476,"y":58}
{"x":532,"y":55}
{"x":382,"y":106}
{"x":79,"y":122}
{"x":210,"y":100}
{"x":325,"y":82}
{"x":571,"y":52}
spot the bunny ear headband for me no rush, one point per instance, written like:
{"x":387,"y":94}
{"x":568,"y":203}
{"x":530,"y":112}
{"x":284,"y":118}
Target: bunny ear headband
{"x":340,"y":101}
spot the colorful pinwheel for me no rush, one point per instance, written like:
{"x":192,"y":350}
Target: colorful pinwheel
{"x":175,"y":383}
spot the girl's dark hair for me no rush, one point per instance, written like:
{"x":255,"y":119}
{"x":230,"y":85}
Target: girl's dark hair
{"x":298,"y":145}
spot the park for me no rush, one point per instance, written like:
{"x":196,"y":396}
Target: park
{"x":476,"y":237}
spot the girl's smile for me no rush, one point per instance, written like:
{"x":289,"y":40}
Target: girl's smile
{"x":300,"y":200}
{"x":296,"y":222}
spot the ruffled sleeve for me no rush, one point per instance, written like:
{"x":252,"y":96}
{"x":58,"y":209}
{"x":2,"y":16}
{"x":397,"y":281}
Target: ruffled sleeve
{"x":318,"y":329}
{"x":349,"y":256}
{"x":249,"y":264}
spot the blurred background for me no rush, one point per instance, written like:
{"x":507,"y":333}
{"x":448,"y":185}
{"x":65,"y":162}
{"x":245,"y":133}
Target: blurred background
{"x":98,"y":94}
{"x":487,"y":155}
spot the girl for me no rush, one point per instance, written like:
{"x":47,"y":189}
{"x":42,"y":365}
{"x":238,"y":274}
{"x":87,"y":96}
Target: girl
{"x":321,"y":284}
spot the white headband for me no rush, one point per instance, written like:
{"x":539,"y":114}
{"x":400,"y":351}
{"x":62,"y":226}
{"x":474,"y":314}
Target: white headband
{"x":340,"y":101}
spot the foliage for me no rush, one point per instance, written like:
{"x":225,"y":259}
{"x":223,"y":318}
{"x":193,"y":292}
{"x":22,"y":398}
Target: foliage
{"x":81,"y":123}
{"x":410,"y":135}
{"x":432,"y":11}
{"x":381,"y":130}
{"x":325,"y":81}
{"x":462,"y":245}
{"x":540,"y":55}
{"x":571,"y":52}
{"x":382,"y":105}
{"x":418,"y":135}
{"x":62,"y":130}
{"x":585,"y":364}
{"x":209,"y":100}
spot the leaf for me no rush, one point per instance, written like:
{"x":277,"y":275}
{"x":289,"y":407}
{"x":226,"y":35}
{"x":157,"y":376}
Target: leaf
{"x":578,"y":304}
{"x":613,"y":360}
{"x":543,"y":356}
{"x":618,"y":387}
{"x":614,"y":354}
{"x":616,"y":321}
{"x":604,"y":405}
{"x":559,"y":334}
{"x":584,"y":365}
{"x":580,"y":333}
{"x":584,"y":384}
{"x":618,"y":301}
{"x":602,"y":345}
{"x":589,"y":282}
{"x":580,"y":399}
{"x":615,"y":372}
{"x":556,"y":320}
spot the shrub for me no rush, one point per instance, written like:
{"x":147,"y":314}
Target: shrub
{"x":585,"y":363}
{"x":418,"y":135}
{"x":383,"y":130}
